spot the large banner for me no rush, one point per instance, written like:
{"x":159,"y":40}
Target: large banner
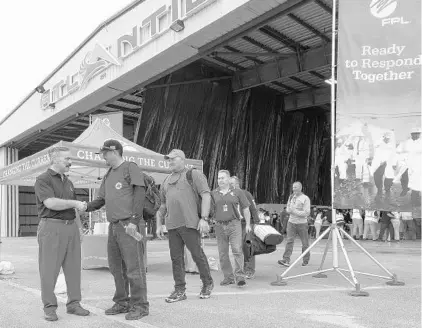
{"x":378,"y":151}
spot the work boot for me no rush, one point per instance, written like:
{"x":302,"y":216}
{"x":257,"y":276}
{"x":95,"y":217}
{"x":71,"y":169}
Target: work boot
{"x":241,"y":282}
{"x":78,"y":310}
{"x":249,"y":275}
{"x":117,"y":309}
{"x":135,"y":314}
{"x":176,"y":296}
{"x":51,"y":316}
{"x":206,"y":290}
{"x":227,"y":281}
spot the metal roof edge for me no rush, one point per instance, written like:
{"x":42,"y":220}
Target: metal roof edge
{"x":95,"y":32}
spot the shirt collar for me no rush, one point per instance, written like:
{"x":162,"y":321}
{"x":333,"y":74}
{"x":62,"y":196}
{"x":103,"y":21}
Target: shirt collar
{"x":54,"y":173}
{"x":230,"y":190}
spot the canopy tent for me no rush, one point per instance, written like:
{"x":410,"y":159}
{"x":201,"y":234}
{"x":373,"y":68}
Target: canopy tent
{"x":88,"y":168}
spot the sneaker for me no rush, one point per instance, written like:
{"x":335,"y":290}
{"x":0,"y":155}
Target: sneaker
{"x":135,"y":314}
{"x":117,"y":309}
{"x":241,"y":283}
{"x":78,"y":310}
{"x":176,"y":296}
{"x":304,"y":263}
{"x":286,"y":263}
{"x":250,"y":275}
{"x":51,"y":316}
{"x":227,"y":282}
{"x":206,"y":291}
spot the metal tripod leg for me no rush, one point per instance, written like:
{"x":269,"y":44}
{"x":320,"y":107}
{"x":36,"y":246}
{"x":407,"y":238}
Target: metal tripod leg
{"x":327,"y":246}
{"x":280,"y":281}
{"x":355,"y":283}
{"x":392,"y":277}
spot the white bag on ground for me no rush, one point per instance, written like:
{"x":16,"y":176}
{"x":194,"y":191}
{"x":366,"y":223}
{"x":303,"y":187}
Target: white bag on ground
{"x":190,"y":265}
{"x":61,"y":284}
{"x":6,"y":268}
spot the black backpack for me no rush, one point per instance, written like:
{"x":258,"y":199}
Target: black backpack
{"x":152,"y":194}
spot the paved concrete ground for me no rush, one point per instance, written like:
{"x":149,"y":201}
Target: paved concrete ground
{"x":304,"y":302}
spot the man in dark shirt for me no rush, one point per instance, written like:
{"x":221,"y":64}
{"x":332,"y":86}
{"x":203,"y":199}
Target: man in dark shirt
{"x":229,"y":203}
{"x":58,"y":235}
{"x":122,"y":191}
{"x":179,"y":207}
{"x":249,"y":266}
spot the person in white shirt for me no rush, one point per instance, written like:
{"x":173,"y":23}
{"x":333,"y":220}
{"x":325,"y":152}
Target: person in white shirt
{"x":395,"y":220}
{"x":357,"y":224}
{"x":340,"y":220}
{"x":409,"y":228}
{"x":370,"y":224}
{"x":318,"y":223}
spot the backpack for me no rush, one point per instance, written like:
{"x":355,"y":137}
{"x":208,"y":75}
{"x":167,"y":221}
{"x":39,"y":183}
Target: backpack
{"x":152,"y":194}
{"x":198,"y":197}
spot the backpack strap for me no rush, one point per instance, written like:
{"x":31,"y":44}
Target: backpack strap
{"x":189,"y":177}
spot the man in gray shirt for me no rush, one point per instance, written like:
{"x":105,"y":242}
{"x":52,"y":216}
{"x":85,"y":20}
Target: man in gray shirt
{"x":179,"y":207}
{"x":299,"y":208}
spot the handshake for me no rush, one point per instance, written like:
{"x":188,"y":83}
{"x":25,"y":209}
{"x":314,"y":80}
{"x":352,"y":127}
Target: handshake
{"x":80,"y":206}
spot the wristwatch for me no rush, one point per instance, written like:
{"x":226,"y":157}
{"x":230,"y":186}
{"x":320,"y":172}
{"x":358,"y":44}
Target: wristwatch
{"x":206,"y":219}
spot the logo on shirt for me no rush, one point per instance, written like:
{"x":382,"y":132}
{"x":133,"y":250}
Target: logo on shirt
{"x":71,"y":189}
{"x":118,"y":186}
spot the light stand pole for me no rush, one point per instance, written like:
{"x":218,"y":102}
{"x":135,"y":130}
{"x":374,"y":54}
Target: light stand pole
{"x":334,"y":230}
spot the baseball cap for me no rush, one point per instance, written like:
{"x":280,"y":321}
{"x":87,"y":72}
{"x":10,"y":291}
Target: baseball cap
{"x":416,"y":130}
{"x":109,"y":145}
{"x":175,"y":153}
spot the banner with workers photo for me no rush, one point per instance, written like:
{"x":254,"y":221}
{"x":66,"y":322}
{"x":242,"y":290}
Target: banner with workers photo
{"x":378,"y":111}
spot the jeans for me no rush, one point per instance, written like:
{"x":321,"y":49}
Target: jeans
{"x":230,"y":235}
{"x":302,"y":230}
{"x":178,"y":238}
{"x":409,"y":229}
{"x":249,"y":266}
{"x":357,"y":227}
{"x":126,"y":263}
{"x":390,"y":232}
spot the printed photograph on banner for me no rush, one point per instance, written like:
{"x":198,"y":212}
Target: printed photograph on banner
{"x":378,"y":154}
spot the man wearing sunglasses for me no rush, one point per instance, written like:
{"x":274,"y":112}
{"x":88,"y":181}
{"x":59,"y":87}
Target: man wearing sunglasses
{"x":179,"y":206}
{"x":122,"y":191}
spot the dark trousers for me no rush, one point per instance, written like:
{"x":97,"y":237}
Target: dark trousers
{"x":59,"y":247}
{"x":126,"y":263}
{"x":302,"y":230}
{"x":378,"y":179}
{"x":248,"y":266}
{"x":404,"y":180}
{"x":386,"y":224}
{"x":178,"y":238}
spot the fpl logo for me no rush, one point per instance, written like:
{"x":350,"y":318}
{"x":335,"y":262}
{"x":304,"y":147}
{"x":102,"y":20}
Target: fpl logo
{"x":383,"y":9}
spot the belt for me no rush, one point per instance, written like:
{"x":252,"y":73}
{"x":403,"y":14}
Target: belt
{"x":58,"y":220}
{"x":224,"y":222}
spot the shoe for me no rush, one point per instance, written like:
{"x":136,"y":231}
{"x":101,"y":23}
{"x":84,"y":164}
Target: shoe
{"x":51,"y":316}
{"x":206,"y":291}
{"x":117,"y":309}
{"x":176,"y":296}
{"x":227,"y":282}
{"x":250,"y":275}
{"x":135,"y":314}
{"x":284,"y":262}
{"x":304,"y":263}
{"x":241,"y":283}
{"x":78,"y":310}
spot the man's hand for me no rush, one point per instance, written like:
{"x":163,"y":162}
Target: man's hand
{"x":80,"y":206}
{"x":131,"y":229}
{"x":248,"y":228}
{"x":203,"y":226}
{"x":160,"y":231}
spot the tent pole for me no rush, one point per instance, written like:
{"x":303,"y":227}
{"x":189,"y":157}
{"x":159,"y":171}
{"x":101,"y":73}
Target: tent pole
{"x":333,"y":104}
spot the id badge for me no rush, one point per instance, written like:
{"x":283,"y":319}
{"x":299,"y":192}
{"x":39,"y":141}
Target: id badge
{"x":225,"y":208}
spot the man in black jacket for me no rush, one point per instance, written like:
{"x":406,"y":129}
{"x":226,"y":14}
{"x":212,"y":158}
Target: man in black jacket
{"x":249,"y":266}
{"x":122,"y":191}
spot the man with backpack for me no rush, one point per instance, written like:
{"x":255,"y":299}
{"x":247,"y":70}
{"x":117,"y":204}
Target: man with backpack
{"x":185,"y":205}
{"x":122,"y":191}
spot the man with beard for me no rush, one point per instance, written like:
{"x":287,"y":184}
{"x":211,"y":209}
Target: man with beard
{"x":249,"y":266}
{"x":122,"y":191}
{"x":179,"y":207}
{"x":58,"y":235}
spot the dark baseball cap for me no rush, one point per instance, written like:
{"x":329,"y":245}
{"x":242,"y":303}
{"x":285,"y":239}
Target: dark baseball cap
{"x":175,"y":153}
{"x":110,"y":145}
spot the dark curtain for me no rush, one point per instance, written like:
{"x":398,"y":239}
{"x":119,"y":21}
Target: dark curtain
{"x":246,"y":132}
